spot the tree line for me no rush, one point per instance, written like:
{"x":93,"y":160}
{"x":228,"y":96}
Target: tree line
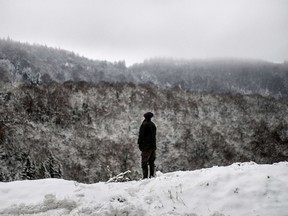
{"x":37,"y":64}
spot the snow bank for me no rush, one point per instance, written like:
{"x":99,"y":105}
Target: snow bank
{"x":239,"y":189}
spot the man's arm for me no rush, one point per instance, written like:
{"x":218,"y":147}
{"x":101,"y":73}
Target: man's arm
{"x":141,"y":137}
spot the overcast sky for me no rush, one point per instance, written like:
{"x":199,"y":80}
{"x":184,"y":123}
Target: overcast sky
{"x":133,"y":30}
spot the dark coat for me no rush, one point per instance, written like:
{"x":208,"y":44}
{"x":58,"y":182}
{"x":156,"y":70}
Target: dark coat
{"x":147,"y":136}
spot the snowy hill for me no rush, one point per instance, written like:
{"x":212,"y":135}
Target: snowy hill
{"x":239,"y":189}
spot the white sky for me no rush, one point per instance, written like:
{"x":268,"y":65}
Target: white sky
{"x":133,"y":30}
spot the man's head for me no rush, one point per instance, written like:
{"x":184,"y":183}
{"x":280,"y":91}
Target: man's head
{"x":148,"y":115}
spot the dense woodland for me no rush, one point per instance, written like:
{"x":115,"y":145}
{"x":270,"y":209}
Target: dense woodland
{"x":87,"y":131}
{"x":39,"y":64}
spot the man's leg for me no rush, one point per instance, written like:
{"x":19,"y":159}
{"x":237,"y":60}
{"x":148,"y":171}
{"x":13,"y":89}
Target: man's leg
{"x":144,"y":163}
{"x":151,"y":163}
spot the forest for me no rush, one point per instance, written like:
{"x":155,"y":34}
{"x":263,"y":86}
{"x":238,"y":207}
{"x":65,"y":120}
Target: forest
{"x":36,"y":64}
{"x":88,"y":132}
{"x":64,"y":116}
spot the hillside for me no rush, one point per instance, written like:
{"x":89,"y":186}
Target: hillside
{"x":240,"y":189}
{"x":35,"y":64}
{"x":244,"y":76}
{"x":88,"y":132}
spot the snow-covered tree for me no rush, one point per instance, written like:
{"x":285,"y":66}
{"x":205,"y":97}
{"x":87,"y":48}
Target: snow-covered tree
{"x":43,"y":172}
{"x":29,"y":170}
{"x":53,"y":166}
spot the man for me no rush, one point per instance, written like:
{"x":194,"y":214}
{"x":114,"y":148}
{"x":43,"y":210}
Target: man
{"x":147,"y":145}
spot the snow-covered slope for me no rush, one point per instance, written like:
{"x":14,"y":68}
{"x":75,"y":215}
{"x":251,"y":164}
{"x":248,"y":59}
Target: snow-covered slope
{"x":239,"y":189}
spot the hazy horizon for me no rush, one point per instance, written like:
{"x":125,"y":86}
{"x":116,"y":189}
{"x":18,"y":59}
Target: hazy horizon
{"x":135,"y":30}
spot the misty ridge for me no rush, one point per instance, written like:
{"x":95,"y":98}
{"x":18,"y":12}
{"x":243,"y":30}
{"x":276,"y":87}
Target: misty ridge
{"x":65,"y":116}
{"x":37,"y":64}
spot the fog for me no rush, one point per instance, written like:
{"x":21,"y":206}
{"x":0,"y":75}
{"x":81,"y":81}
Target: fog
{"x":133,"y":30}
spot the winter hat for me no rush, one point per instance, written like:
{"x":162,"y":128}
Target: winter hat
{"x":148,"y":115}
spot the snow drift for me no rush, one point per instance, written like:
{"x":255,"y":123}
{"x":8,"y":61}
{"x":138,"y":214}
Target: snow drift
{"x":239,"y":189}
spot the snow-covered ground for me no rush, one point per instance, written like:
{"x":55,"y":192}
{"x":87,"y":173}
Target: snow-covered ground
{"x":239,"y":189}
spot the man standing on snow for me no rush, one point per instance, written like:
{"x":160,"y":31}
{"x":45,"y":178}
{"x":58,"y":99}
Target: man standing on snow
{"x":147,"y":145}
